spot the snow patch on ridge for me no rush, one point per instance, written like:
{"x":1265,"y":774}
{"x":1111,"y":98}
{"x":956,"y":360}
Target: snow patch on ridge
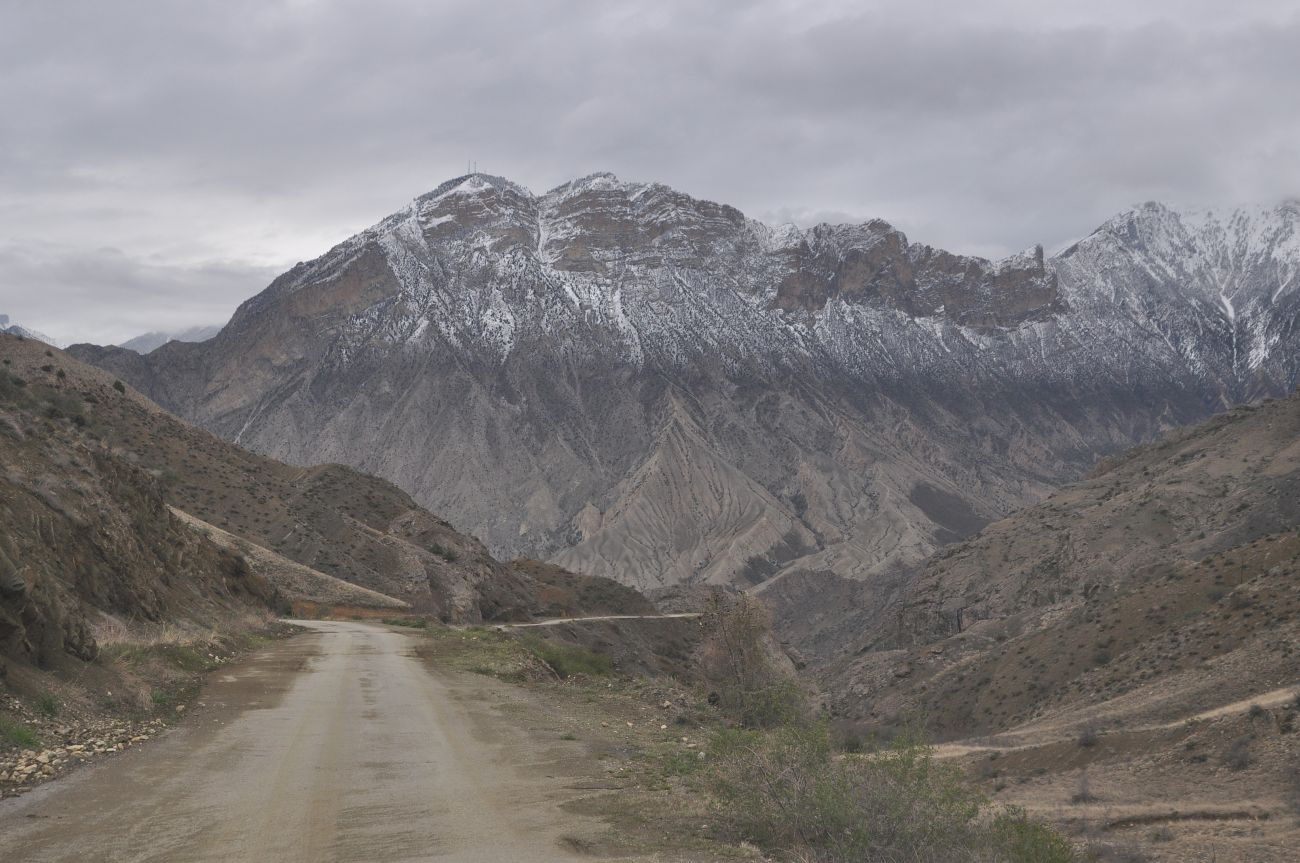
{"x":600,"y":267}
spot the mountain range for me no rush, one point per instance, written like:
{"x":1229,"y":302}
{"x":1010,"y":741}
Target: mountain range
{"x":635,"y":383}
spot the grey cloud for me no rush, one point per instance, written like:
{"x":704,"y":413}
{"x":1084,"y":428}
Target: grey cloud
{"x":262,"y":132}
{"x":104,"y":291}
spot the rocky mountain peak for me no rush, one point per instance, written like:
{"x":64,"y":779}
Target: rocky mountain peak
{"x":606,"y":243}
{"x":1230,"y":276}
{"x":599,"y":224}
{"x":873,"y":264}
{"x":490,"y":211}
{"x":475,"y":184}
{"x":1192,"y":239}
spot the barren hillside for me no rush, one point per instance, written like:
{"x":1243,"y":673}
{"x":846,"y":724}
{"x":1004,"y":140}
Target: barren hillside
{"x":85,"y":532}
{"x":1164,"y":581}
{"x":329,"y":519}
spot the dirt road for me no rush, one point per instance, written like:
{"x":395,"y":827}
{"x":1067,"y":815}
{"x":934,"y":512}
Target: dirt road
{"x":1036,"y":735}
{"x":556,"y":621}
{"x":336,"y":745}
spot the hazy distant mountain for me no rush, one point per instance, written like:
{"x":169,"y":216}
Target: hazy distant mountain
{"x":14,"y":329}
{"x":636,"y":383}
{"x":147,"y":342}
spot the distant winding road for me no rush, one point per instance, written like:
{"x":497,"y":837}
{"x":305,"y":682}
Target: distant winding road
{"x":556,"y":621}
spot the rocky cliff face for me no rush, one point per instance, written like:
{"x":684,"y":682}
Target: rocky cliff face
{"x":639,"y":384}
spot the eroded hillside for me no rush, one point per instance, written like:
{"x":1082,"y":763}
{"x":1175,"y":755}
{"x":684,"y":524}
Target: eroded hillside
{"x":1163,"y":581}
{"x":85,"y":532}
{"x":329,"y":519}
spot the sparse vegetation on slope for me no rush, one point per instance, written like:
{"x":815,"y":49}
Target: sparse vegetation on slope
{"x":85,"y":532}
{"x":788,"y":790}
{"x":718,"y":764}
{"x":777,"y":779}
{"x":568,"y":660}
{"x":143,"y":678}
{"x":1141,"y":624}
{"x":328,"y":518}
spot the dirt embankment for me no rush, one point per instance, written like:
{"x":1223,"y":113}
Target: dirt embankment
{"x":143,"y":680}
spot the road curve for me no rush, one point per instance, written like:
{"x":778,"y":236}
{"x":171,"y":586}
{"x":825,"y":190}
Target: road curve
{"x":336,"y":745}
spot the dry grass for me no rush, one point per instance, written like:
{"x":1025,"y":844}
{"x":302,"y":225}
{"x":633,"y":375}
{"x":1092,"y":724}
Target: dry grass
{"x":113,"y":634}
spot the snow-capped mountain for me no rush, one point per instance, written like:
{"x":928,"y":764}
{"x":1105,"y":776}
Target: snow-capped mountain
{"x":1215,"y":288}
{"x":637,"y":383}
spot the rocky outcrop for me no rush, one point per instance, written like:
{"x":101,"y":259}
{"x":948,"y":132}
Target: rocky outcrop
{"x":874,"y":265}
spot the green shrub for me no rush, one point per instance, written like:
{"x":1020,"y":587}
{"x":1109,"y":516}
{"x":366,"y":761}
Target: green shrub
{"x":786,"y":791}
{"x":47,"y":704}
{"x":1013,"y":837}
{"x":186,"y":657}
{"x":412,"y":622}
{"x":447,"y":554}
{"x":16,"y":734}
{"x":568,"y":660}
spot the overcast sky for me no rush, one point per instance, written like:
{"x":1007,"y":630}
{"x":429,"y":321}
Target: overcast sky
{"x":160,"y":162}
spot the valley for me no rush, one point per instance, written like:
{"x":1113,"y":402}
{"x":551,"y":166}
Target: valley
{"x":1114,"y":656}
{"x":652,"y":432}
{"x":460,"y":725}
